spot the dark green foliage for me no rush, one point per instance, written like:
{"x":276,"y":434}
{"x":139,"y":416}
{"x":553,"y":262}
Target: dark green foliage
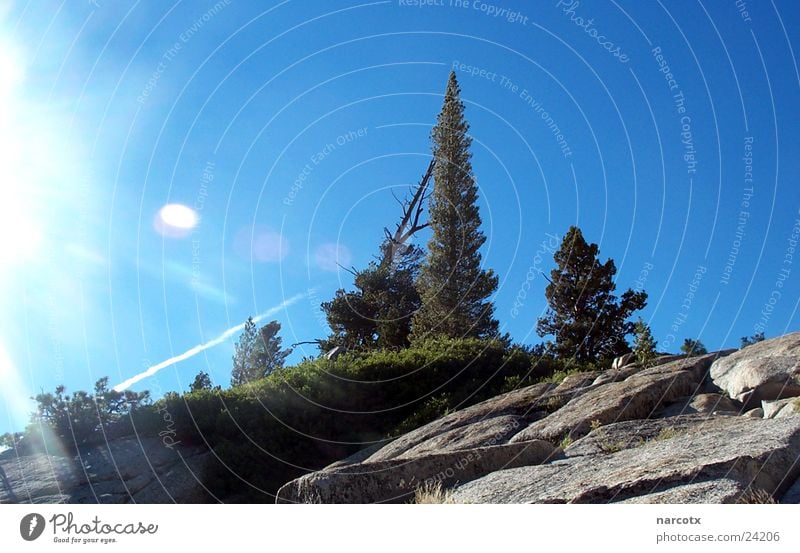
{"x":269,"y":354}
{"x":644,"y":346}
{"x":78,"y":418}
{"x":305,"y":417}
{"x":750,"y":340}
{"x":257,"y":353}
{"x":201,"y":382}
{"x":7,"y":440}
{"x":693,"y":347}
{"x":433,"y":408}
{"x":297,"y":419}
{"x":378,"y":313}
{"x":453,"y":286}
{"x":588,"y":321}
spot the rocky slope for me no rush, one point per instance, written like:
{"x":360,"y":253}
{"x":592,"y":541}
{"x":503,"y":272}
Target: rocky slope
{"x":127,"y":470}
{"x":717,"y":428}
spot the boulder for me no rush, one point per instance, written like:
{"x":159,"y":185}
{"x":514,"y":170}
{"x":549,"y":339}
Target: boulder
{"x":576,"y":381}
{"x":359,"y":456}
{"x":616,"y":375}
{"x":791,"y":409}
{"x":484,"y":433}
{"x":622,"y":360}
{"x":698,"y":366}
{"x":720,"y":490}
{"x":491,"y":418}
{"x":780,"y":408}
{"x":766,"y":370}
{"x":740,"y":453}
{"x":664,"y":358}
{"x":757,"y":413}
{"x":637,"y":397}
{"x":630,"y":434}
{"x":396,"y":480}
{"x":702,"y":403}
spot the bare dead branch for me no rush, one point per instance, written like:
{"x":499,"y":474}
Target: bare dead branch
{"x":352,"y":270}
{"x":409,"y":224}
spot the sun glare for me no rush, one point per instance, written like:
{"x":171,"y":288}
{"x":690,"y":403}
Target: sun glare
{"x":20,"y":235}
{"x":176,"y":220}
{"x":12,"y":392}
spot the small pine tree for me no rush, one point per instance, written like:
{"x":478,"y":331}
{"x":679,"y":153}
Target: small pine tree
{"x":244,"y":349}
{"x":77,"y":418}
{"x":7,"y":440}
{"x":587,"y":320}
{"x":452,"y":285}
{"x":258,"y":352}
{"x":201,"y":382}
{"x":693,"y":347}
{"x":378,"y":313}
{"x":644,"y":346}
{"x":269,"y":354}
{"x":750,"y":340}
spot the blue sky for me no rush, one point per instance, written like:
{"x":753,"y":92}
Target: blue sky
{"x":663,"y":129}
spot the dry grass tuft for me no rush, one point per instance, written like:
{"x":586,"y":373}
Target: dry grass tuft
{"x":667,"y":434}
{"x":430,"y":493}
{"x":756,"y":497}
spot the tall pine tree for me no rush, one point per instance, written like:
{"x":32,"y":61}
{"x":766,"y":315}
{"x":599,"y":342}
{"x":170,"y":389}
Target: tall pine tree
{"x":452,"y":285}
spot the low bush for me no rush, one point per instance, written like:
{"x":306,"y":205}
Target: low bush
{"x":302,"y":418}
{"x":299,"y":419}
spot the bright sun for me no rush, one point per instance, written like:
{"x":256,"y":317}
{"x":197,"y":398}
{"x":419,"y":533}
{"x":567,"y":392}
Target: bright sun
{"x":175,"y":220}
{"x":178,"y":216}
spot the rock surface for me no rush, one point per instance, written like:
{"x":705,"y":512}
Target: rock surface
{"x":667,"y":433}
{"x":781,"y":408}
{"x":757,"y":413}
{"x":702,"y":403}
{"x":622,"y":360}
{"x":396,"y":480}
{"x":747,"y":453}
{"x":488,"y":419}
{"x":636,"y":397}
{"x":123,"y":471}
{"x":720,"y":490}
{"x":766,"y":370}
{"x":630,"y":434}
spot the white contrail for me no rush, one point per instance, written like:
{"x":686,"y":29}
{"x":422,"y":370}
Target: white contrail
{"x":202,"y":347}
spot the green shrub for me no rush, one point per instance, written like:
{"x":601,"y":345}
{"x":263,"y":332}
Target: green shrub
{"x":432,"y":409}
{"x":302,"y":418}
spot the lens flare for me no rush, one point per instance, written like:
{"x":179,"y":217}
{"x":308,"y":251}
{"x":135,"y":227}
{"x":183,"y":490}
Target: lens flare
{"x":176,"y":220}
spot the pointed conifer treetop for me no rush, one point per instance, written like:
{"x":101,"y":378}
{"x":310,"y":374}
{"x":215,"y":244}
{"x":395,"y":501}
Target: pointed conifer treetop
{"x":453,"y":286}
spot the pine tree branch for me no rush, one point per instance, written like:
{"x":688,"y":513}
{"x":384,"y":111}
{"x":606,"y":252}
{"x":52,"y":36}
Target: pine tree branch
{"x":410,"y":221}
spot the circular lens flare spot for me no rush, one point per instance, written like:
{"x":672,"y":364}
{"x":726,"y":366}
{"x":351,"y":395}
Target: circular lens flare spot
{"x":176,"y":220}
{"x":330,"y":257}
